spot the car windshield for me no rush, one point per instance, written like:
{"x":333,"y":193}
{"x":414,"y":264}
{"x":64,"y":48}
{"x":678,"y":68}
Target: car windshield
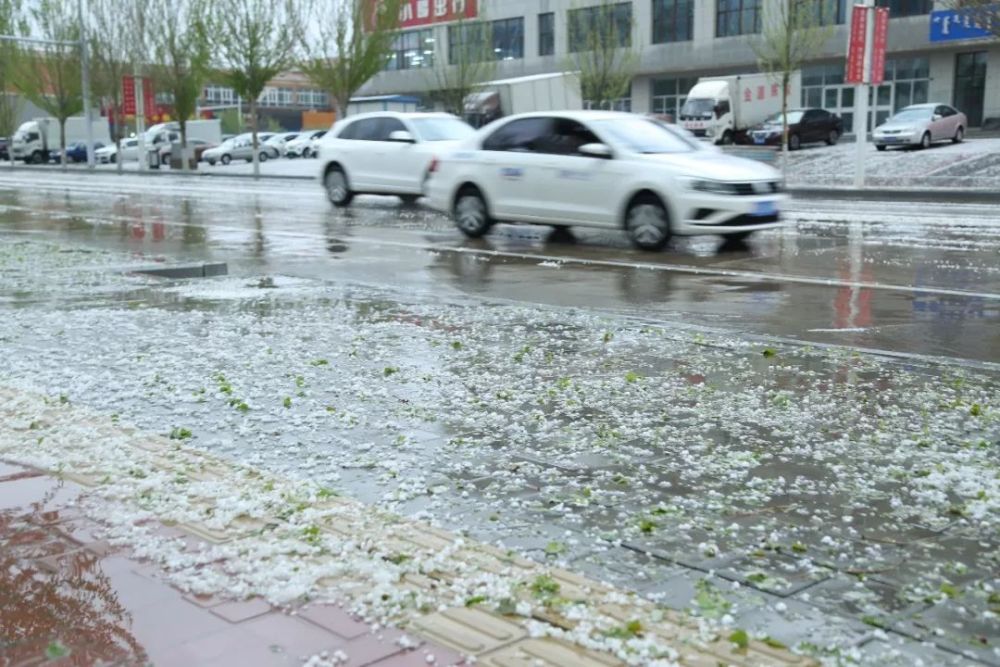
{"x":641,"y":136}
{"x":698,"y":107}
{"x":912,"y":114}
{"x":441,"y":129}
{"x":793,"y":117}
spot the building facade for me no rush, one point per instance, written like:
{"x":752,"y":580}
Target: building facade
{"x":677,"y":41}
{"x":290,"y":99}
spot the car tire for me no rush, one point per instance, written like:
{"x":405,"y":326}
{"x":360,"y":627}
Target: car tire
{"x":727,"y":138}
{"x":648,"y":223}
{"x":338,"y":189}
{"x":472,"y":216}
{"x":794,"y":142}
{"x":832,"y":138}
{"x":959,"y":135}
{"x":263,"y":156}
{"x":925,"y":141}
{"x":37,"y":157}
{"x":211,"y":163}
{"x":225,"y":159}
{"x":113,"y":158}
{"x":306,"y":152}
{"x":409,"y":200}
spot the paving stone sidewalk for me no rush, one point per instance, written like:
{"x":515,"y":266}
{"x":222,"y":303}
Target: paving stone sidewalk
{"x":124,"y":547}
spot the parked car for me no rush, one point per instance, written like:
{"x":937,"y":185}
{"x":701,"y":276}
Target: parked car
{"x":921,"y":125}
{"x":280,"y":141}
{"x":240,"y":147}
{"x":601,"y":169}
{"x":302,"y":146}
{"x":199,"y":146}
{"x":386,"y":153}
{"x":4,"y":148}
{"x":77,"y":151}
{"x":805,"y":126}
{"x":109,"y":154}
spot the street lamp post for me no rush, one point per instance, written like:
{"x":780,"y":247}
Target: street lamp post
{"x":84,"y":61}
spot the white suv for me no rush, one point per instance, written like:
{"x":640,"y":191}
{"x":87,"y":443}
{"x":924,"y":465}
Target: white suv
{"x":602,"y":169}
{"x":386,"y":153}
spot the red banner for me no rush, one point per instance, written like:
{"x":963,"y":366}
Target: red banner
{"x":128,"y":95}
{"x":856,"y":47}
{"x":416,"y":13}
{"x":879,"y":44}
{"x":148,"y":97}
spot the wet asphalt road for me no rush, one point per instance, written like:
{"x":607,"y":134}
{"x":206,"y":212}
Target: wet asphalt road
{"x":908,"y":279}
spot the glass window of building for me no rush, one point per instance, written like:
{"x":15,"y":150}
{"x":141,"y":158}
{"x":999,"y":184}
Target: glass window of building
{"x":621,"y":104}
{"x":737,"y":17}
{"x":600,"y":24}
{"x":413,"y":49}
{"x":898,"y":8}
{"x":669,"y":95}
{"x":546,"y":34}
{"x":269,"y":98}
{"x":830,"y":12}
{"x":476,"y":42}
{"x":508,"y":38}
{"x":673,"y":21}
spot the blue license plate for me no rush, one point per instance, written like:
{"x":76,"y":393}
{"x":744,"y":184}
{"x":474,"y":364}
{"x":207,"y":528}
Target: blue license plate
{"x":763,"y":208}
{"x":759,"y":140}
{"x":891,"y":140}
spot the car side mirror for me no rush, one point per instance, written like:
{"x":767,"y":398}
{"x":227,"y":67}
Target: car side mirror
{"x":596,"y":150}
{"x":402,"y":136}
{"x":936,"y":116}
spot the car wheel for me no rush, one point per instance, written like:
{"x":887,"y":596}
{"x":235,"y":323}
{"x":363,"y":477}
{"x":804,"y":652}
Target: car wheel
{"x":727,"y":138}
{"x":925,"y":141}
{"x":794,"y":142}
{"x":263,"y":156}
{"x":306,"y":152}
{"x":832,"y":138}
{"x":211,"y":163}
{"x":959,"y":135}
{"x":471,"y":214}
{"x":113,"y":158}
{"x":647,"y":223}
{"x":879,"y":147}
{"x":338,"y":191}
{"x":225,"y":159}
{"x":409,"y":200}
{"x":37,"y":157}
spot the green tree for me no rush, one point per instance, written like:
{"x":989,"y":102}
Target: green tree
{"x":178,"y":54}
{"x":352,"y":41}
{"x":11,"y":23}
{"x":49,"y":75}
{"x":231,"y":121}
{"x":255,"y":40}
{"x":601,"y":49}
{"x":793,"y":33}
{"x":469,"y":62}
{"x":112,"y":32}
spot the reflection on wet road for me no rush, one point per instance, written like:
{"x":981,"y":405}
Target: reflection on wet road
{"x":894,"y":277}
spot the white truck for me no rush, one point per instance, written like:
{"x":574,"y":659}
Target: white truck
{"x":558,"y":91}
{"x":209,"y":131}
{"x":719,"y":107}
{"x":36,"y":139}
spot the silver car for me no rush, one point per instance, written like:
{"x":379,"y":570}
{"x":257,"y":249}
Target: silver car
{"x":241,"y":148}
{"x":921,"y":125}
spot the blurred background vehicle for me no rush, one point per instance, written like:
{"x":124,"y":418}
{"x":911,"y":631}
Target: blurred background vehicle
{"x":240,"y":147}
{"x":921,"y":125}
{"x":109,"y":154}
{"x":4,"y":148}
{"x":280,"y":141}
{"x":805,"y":126}
{"x":719,"y":108}
{"x":303,"y":145}
{"x":77,"y":151}
{"x":198,"y":145}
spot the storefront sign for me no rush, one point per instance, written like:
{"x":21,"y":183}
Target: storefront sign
{"x":416,"y":13}
{"x":954,"y":24}
{"x":880,"y":42}
{"x":856,"y":46}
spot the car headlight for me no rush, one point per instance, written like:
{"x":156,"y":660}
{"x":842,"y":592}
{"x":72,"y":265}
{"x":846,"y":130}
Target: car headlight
{"x":710,"y":187}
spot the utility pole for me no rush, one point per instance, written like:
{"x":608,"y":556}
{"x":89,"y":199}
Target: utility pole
{"x":861,"y":93}
{"x":87,"y":111}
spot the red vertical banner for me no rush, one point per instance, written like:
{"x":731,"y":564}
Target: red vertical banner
{"x":879,"y":43}
{"x":856,"y":47}
{"x":148,"y":97}
{"x":128,"y":95}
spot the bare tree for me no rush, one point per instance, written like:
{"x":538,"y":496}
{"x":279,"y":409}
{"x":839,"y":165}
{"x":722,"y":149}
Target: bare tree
{"x":255,"y":40}
{"x":11,"y":23}
{"x":113,"y":30}
{"x":983,"y":13}
{"x":793,"y":33}
{"x":49,"y":75}
{"x":600,"y":39}
{"x":351,"y":42}
{"x":470,"y":61}
{"x":178,"y":54}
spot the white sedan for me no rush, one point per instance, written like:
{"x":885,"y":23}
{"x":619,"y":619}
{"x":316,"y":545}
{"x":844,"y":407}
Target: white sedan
{"x":602,"y":169}
{"x":109,"y":153}
{"x":921,"y":125}
{"x":386,"y":153}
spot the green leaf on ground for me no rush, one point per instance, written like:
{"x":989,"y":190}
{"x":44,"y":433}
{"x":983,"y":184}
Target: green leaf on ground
{"x":769,"y":352}
{"x":740,"y":638}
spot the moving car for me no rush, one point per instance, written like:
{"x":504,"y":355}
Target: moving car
{"x":386,"y":153}
{"x":302,"y":146}
{"x":601,"y":169}
{"x":921,"y":125}
{"x":805,"y":126}
{"x":241,"y":148}
{"x":109,"y":154}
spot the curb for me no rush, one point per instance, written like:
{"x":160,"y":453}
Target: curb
{"x":935,"y":195}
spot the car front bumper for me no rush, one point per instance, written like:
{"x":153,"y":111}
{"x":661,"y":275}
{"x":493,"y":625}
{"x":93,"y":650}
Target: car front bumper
{"x":897,"y":139}
{"x":703,"y":213}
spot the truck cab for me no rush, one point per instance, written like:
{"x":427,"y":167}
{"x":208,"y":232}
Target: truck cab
{"x":30,"y":143}
{"x":708,"y":111}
